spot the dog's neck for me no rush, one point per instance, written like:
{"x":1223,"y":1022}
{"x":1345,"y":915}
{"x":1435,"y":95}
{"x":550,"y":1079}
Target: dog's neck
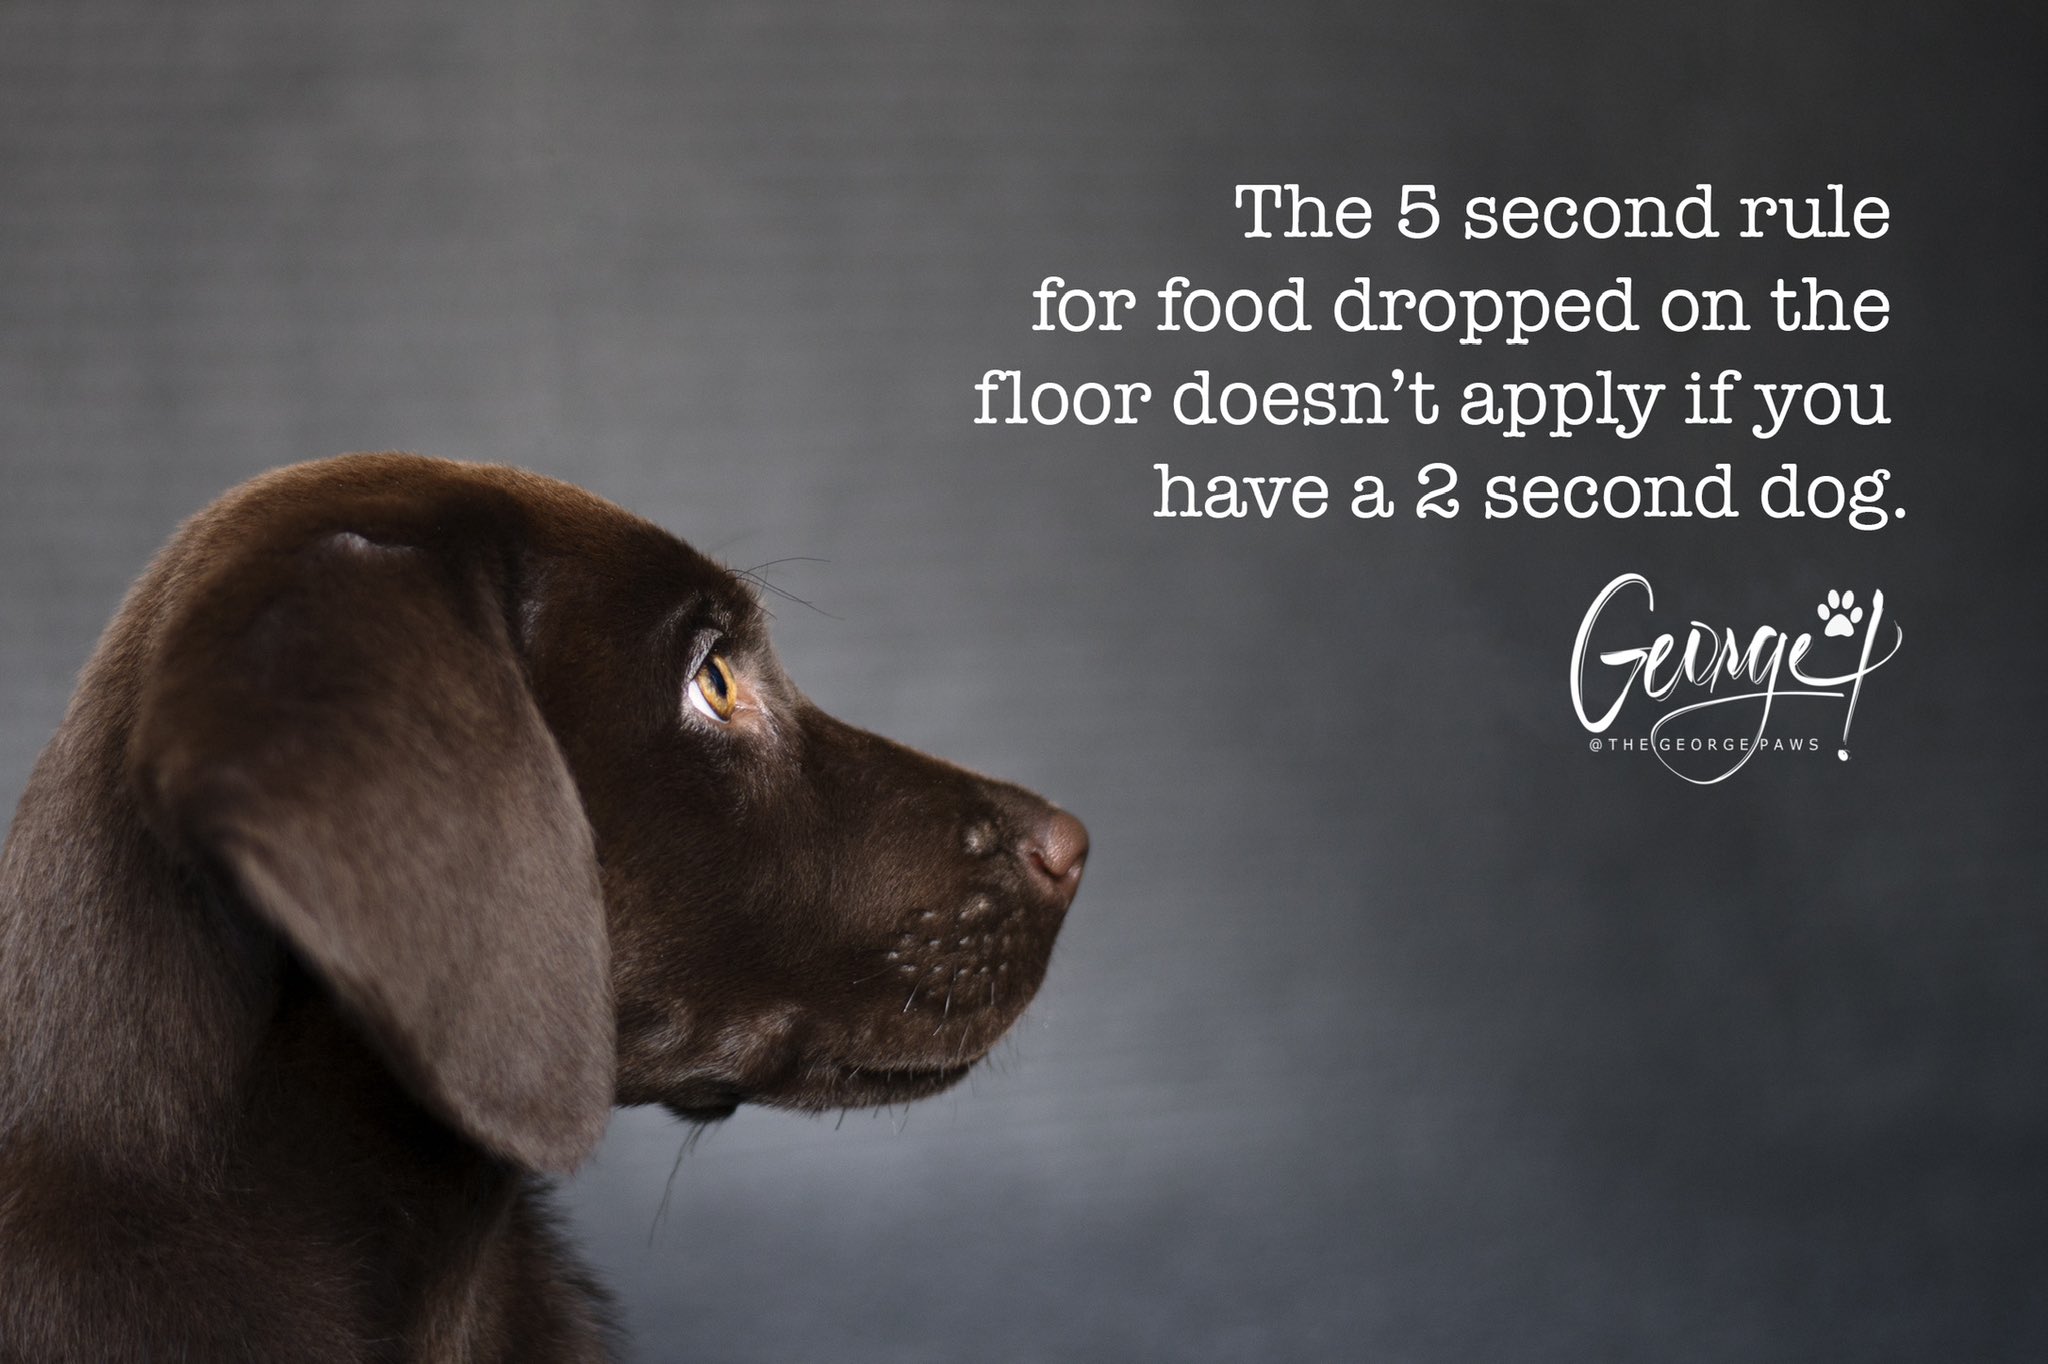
{"x":103,"y":954}
{"x":172,"y":1070}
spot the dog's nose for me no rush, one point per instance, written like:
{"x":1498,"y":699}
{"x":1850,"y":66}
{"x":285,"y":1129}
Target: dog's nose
{"x":1056,"y":850}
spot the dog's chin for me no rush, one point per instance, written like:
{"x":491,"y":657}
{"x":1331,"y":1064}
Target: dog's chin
{"x":866,"y":1086}
{"x":823,"y":1087}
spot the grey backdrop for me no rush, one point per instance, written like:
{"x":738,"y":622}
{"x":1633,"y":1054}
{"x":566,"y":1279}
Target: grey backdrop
{"x":1391,"y":1024}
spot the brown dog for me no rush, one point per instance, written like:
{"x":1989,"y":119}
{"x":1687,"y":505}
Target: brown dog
{"x":408,"y":817}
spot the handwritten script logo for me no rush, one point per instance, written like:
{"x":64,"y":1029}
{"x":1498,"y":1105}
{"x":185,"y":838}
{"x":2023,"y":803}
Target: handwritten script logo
{"x":1772,"y":665}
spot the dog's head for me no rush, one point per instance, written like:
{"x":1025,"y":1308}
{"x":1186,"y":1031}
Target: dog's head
{"x":518,"y":778}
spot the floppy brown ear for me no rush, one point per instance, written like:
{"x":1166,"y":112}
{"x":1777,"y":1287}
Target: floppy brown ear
{"x":345,"y":730}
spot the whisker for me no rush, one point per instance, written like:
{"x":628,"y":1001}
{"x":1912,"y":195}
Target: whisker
{"x":753,"y":575}
{"x":689,"y":1144}
{"x":777,"y":563}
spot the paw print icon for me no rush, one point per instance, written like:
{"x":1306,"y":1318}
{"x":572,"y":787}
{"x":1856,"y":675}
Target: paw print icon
{"x":1841,"y":613}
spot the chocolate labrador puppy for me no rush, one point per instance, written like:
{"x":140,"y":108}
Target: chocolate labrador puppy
{"x":408,"y":817}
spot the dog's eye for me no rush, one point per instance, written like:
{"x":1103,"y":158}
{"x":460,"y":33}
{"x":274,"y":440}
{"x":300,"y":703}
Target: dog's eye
{"x":712,"y":691}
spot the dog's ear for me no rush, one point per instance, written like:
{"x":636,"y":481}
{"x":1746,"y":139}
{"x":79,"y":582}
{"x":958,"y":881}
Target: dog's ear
{"x":345,"y":730}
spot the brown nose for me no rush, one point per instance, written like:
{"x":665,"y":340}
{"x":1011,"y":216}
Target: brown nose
{"x":1056,"y":850}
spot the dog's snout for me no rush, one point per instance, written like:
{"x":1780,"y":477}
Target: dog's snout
{"x":1056,"y":849}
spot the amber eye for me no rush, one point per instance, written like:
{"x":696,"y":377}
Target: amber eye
{"x":712,"y":690}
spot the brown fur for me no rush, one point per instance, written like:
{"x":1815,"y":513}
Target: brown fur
{"x":380,"y":853}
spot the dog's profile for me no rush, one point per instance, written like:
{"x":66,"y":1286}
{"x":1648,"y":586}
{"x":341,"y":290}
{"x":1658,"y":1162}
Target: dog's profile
{"x":409,"y":816}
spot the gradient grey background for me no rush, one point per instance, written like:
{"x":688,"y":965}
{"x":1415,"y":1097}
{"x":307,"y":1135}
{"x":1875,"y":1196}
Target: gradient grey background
{"x":1391,"y":1024}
